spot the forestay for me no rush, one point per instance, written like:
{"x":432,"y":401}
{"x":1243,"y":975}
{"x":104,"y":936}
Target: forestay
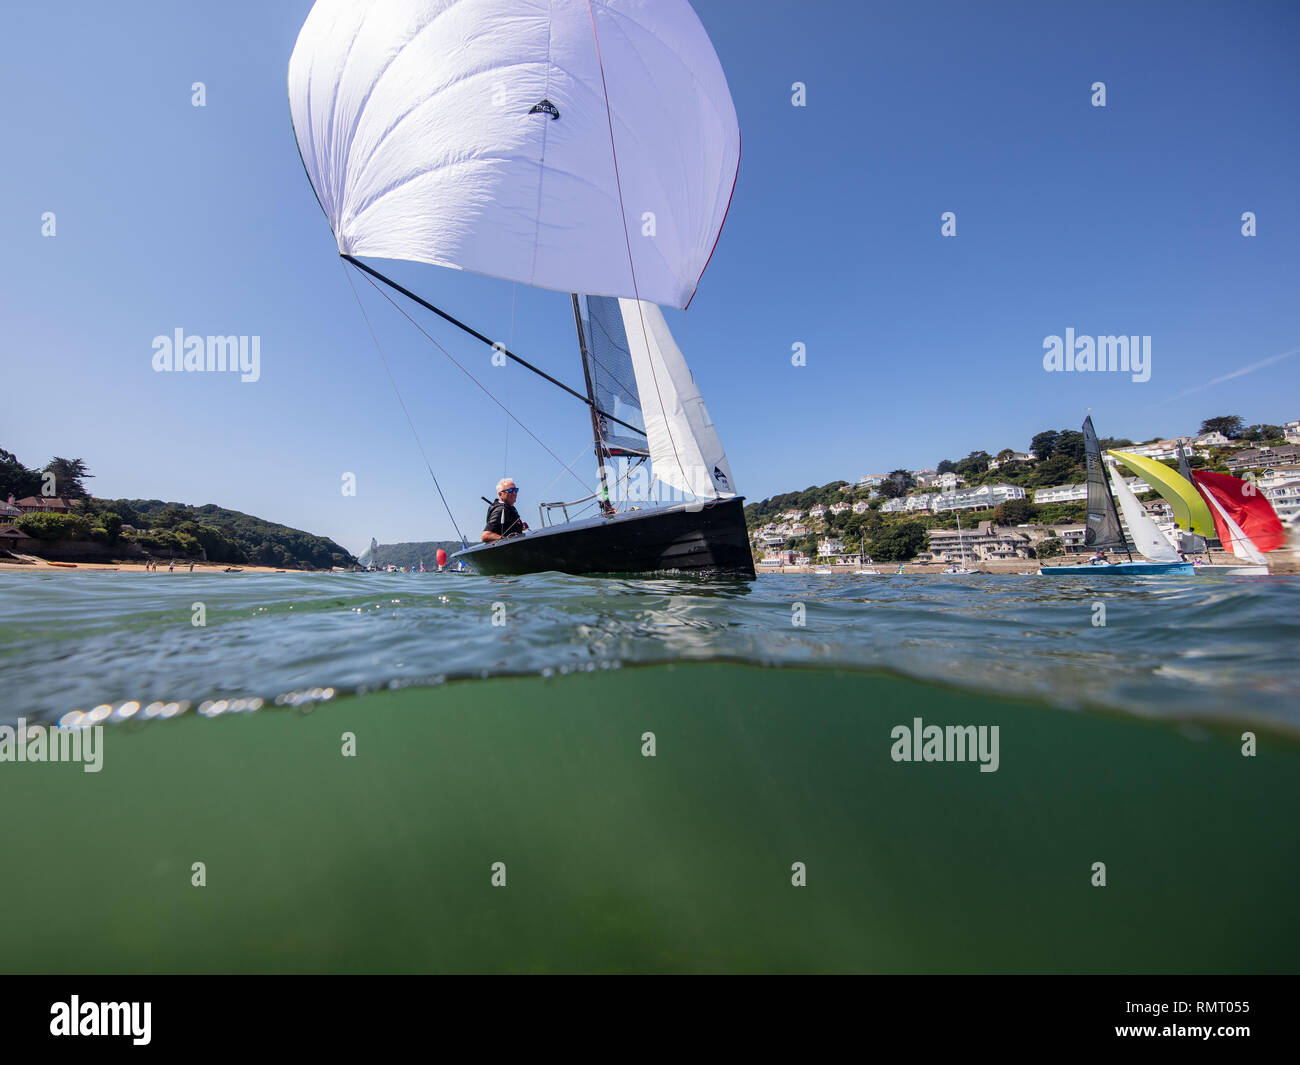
{"x":581,"y":146}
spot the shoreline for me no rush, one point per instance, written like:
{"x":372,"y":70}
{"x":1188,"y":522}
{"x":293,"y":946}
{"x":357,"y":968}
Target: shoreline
{"x":40,"y":565}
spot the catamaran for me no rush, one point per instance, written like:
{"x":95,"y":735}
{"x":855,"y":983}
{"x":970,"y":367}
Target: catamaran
{"x":1104,"y":531}
{"x":584,"y":146}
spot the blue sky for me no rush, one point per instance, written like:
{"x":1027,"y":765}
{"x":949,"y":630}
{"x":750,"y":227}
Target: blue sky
{"x":1122,"y":220}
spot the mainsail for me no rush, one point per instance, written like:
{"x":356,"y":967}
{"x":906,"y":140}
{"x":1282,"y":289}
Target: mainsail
{"x":1147,"y":538}
{"x":588,"y":146}
{"x":1190,"y":511}
{"x":1103,"y":530}
{"x":613,"y":377}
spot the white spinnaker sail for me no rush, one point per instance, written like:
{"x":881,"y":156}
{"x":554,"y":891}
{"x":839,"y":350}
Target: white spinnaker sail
{"x":1242,"y":546}
{"x":1148,"y":539}
{"x":685,"y":452}
{"x":579,"y":145}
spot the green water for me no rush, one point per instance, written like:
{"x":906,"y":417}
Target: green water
{"x":681,"y":862}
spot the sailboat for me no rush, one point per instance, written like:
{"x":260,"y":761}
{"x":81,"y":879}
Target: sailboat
{"x":588,"y":147}
{"x":1104,"y":531}
{"x":960,"y":565}
{"x":1211,"y":504}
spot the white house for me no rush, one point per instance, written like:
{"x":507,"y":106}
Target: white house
{"x":840,"y":508}
{"x":986,"y":495}
{"x":829,"y":545}
{"x":1214,"y":439}
{"x":861,"y":507}
{"x":1015,"y":456}
{"x":818,"y":511}
{"x":1292,"y":432}
{"x":1062,"y":493}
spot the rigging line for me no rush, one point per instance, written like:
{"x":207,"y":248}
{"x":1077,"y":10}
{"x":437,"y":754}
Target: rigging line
{"x":478,"y":336}
{"x":402,"y":404}
{"x":505,"y":460}
{"x":622,"y":210}
{"x":402,"y":311}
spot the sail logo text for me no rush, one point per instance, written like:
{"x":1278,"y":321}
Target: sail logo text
{"x":102,"y":1018}
{"x":53,"y":744}
{"x":1072,"y":354}
{"x":195,"y":354}
{"x":954,"y":743}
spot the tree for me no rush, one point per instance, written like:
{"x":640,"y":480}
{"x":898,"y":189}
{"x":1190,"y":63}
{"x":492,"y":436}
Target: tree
{"x":1044,"y":444}
{"x":1258,"y":434}
{"x":68,"y":475}
{"x":1015,"y":512}
{"x":947,"y":466}
{"x":16,"y":479}
{"x":975,"y":463}
{"x":900,"y":542}
{"x":1069,"y":442}
{"x":903,"y":479}
{"x":1230,"y":425}
{"x":1053,"y":545}
{"x":1005,"y":455}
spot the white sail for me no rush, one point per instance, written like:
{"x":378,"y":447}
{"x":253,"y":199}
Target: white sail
{"x":685,"y":452}
{"x":572,"y":145}
{"x":1148,"y":539}
{"x":1242,"y":545}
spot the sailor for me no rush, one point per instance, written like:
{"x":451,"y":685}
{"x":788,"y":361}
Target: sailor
{"x":503,"y":520}
{"x":1099,"y":559}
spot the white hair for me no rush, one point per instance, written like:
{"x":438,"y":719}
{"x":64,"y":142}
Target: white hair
{"x":501,"y":484}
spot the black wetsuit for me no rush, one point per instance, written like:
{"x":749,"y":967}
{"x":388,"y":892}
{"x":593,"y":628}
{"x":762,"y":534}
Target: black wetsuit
{"x":504,"y":520}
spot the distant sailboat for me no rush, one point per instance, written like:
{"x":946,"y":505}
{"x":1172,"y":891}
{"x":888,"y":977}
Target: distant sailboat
{"x":1104,"y":532}
{"x":585,"y":146}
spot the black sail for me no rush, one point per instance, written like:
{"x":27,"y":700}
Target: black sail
{"x":1104,"y":532}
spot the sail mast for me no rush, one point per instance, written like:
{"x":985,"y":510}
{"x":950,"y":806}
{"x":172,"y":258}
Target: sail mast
{"x":591,"y":403}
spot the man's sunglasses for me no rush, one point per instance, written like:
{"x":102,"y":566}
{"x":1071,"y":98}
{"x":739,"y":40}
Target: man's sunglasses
{"x":509,"y":490}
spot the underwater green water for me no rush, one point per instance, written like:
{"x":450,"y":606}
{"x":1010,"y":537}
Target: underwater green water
{"x":680,"y":862}
{"x":522,"y":743}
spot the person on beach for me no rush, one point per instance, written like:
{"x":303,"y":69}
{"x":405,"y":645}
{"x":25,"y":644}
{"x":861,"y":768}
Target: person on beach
{"x":503,"y":520}
{"x":171,"y":566}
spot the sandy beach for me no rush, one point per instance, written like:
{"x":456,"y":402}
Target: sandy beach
{"x":31,"y":564}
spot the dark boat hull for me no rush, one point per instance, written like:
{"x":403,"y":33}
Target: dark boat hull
{"x":688,"y":538}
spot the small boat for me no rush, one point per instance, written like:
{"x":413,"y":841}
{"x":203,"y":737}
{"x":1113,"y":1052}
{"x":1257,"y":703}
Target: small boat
{"x":233,"y":569}
{"x":1104,"y":531}
{"x":1116,"y":569}
{"x":65,"y":565}
{"x":824,"y":571}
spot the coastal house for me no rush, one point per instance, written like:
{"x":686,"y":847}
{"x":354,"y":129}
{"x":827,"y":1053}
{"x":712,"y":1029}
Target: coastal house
{"x":986,"y":495}
{"x":1062,"y":493}
{"x":1214,"y":439}
{"x":1292,"y":432}
{"x":1015,"y":456}
{"x":1263,"y":458}
{"x":1284,"y":494}
{"x":871,"y":480}
{"x":1072,"y":536}
{"x":840,"y":508}
{"x":9,"y":510}
{"x":829,"y":546}
{"x":861,"y":507}
{"x":818,"y":511}
{"x":988,"y":542}
{"x":13,"y":538}
{"x":45,"y":504}
{"x":949,"y":482}
{"x":1158,"y":449}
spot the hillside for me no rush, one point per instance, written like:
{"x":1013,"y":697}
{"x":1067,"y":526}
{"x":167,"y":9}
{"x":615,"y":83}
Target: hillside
{"x":409,"y":555}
